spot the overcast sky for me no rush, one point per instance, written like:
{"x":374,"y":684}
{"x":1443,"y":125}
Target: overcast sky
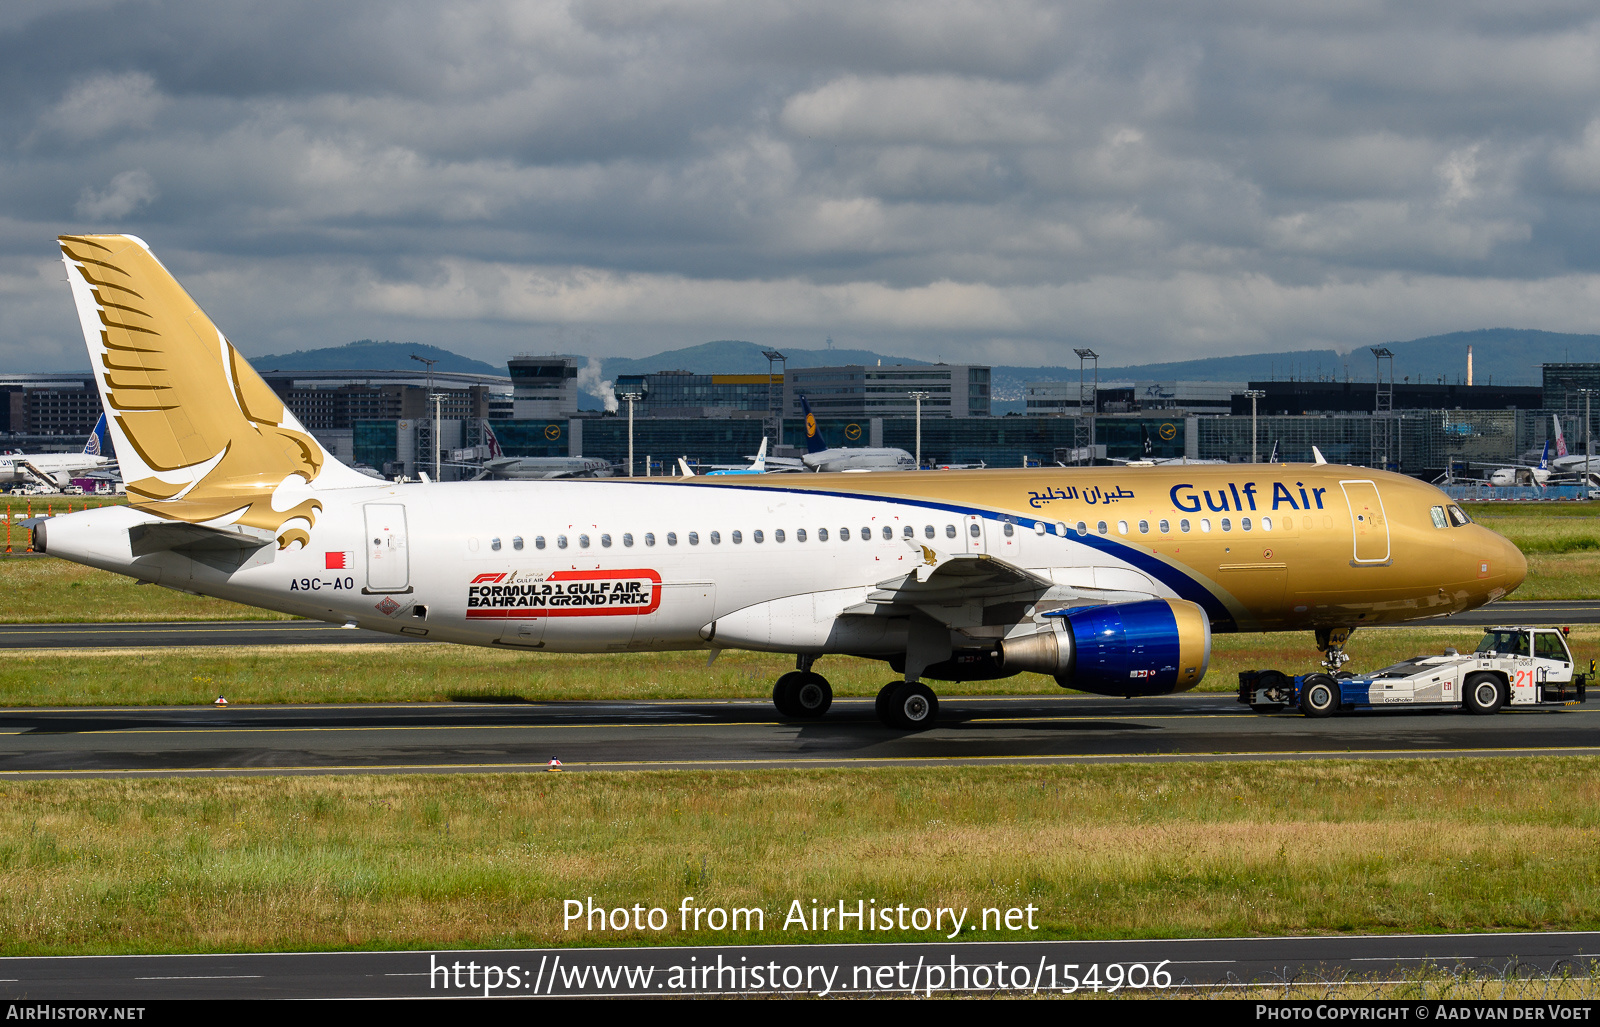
{"x":991,"y":181}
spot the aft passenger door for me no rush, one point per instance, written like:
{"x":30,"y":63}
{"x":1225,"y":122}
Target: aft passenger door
{"x":388,"y":560}
{"x":1367,"y":521}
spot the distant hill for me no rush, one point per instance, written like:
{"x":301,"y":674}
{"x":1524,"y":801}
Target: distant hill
{"x":733,"y":357}
{"x":371,"y":355}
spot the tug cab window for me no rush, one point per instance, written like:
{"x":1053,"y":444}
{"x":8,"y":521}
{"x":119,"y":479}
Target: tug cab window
{"x":1506,"y":643}
{"x":1549,"y":645}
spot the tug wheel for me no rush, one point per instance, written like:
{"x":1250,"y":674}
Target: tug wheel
{"x":1319,"y":696}
{"x":1485,"y":694}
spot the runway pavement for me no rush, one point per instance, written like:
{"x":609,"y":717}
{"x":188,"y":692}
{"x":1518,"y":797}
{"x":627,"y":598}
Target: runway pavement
{"x":1191,"y":966}
{"x":630,"y":736}
{"x":301,"y":632}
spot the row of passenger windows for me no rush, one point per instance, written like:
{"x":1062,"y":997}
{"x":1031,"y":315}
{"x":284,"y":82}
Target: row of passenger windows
{"x":737,"y":537}
{"x":907,"y":531}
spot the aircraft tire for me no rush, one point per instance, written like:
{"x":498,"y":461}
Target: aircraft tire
{"x":1319,"y":696}
{"x":912,"y":707}
{"x":783,"y":694}
{"x":1484,"y":694}
{"x":811,"y":695}
{"x":885,"y":697}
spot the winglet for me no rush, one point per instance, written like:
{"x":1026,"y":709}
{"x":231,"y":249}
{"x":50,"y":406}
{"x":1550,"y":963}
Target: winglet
{"x":1318,"y":454}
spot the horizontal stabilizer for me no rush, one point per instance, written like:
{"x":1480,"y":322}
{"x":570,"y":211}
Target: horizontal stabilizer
{"x":178,"y":536}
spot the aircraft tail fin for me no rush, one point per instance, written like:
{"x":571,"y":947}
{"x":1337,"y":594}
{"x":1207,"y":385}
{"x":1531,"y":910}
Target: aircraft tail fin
{"x":1544,"y":457}
{"x":683,"y":465}
{"x":1561,"y":439}
{"x":1145,"y":446}
{"x":495,"y":452}
{"x":1274,"y":457}
{"x":814,"y":443}
{"x":98,"y":443}
{"x":760,"y":462}
{"x":199,"y":436}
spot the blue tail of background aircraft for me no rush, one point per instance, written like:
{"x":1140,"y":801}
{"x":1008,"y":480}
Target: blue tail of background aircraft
{"x":98,"y":443}
{"x":814,"y":443}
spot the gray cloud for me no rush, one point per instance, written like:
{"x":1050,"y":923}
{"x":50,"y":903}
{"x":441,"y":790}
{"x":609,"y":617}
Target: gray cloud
{"x":937,"y":179}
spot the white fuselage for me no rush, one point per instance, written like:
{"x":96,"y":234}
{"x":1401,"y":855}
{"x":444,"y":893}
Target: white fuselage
{"x":442,"y":560}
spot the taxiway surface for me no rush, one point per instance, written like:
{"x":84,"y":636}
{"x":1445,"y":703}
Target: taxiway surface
{"x":657,"y":735}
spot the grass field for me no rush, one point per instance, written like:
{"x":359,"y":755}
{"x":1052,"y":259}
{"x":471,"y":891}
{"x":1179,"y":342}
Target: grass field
{"x":444,"y":673}
{"x":486,"y":860}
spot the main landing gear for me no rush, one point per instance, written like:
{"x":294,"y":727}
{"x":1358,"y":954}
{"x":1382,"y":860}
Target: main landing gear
{"x":801,"y":694}
{"x":907,"y":705}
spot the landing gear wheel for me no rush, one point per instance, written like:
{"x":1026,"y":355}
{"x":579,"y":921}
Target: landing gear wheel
{"x":1319,"y":696}
{"x":885,"y":697}
{"x":812,"y":696}
{"x":1485,"y":693}
{"x":910,"y":707}
{"x":802,"y":695}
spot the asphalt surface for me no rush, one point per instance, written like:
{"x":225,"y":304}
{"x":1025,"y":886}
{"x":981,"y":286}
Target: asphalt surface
{"x":630,"y":736}
{"x":1205,"y":966}
{"x":183,"y":634}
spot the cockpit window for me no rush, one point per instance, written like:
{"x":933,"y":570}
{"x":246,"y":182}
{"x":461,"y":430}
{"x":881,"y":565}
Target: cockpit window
{"x":1508,"y":643}
{"x":1437,"y":513}
{"x":1458,"y":516}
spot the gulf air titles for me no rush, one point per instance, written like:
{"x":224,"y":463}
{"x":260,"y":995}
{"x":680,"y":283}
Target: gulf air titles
{"x":1111,"y":580}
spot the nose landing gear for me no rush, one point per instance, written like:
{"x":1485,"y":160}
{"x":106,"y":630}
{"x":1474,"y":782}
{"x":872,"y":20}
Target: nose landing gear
{"x":1331,"y":643}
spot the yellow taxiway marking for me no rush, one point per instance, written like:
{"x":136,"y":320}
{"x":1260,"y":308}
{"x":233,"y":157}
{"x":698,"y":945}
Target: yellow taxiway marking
{"x":817,"y":760}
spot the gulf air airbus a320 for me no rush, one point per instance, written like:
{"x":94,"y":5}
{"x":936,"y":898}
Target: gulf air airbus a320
{"x":1111,"y":580}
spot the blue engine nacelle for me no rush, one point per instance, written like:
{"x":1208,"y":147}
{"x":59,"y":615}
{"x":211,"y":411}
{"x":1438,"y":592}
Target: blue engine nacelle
{"x":1146,"y":648}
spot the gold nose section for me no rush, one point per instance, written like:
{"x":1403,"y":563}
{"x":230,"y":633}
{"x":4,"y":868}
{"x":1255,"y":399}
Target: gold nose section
{"x":1514,"y":563}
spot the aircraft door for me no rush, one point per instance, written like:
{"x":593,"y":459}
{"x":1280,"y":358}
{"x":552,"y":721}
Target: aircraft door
{"x":1003,"y":538}
{"x":1367,"y":521}
{"x":973,"y":533}
{"x":388,"y":561}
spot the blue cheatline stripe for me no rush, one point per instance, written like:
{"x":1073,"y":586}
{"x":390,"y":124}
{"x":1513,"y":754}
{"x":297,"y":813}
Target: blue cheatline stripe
{"x":1186,"y":587}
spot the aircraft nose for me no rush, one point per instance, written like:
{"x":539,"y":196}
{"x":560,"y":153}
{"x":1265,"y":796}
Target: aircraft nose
{"x":1514,"y":565}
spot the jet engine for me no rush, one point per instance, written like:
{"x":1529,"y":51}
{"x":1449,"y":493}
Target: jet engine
{"x":1145,"y":648}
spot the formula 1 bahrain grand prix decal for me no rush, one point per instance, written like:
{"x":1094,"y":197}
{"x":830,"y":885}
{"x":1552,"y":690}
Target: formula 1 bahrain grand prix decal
{"x":521,"y":595}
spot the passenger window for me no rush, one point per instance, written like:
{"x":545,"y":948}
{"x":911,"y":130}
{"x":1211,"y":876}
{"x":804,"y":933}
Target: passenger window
{"x":649,"y":538}
{"x":605,"y":541}
{"x":757,"y":536}
{"x":799,"y":535}
{"x":1008,"y":530}
{"x":777,"y":535}
{"x":972,"y":529}
{"x":583,"y":542}
{"x":1183,"y":525}
{"x":949,"y":531}
{"x":716,"y":538}
{"x":1101,"y":527}
{"x":738,"y":537}
{"x":1039,"y":528}
{"x":1122,"y":527}
{"x":1144,"y":527}
{"x":866,"y":534}
{"x":516,"y":542}
{"x":627,"y":538}
{"x":538,"y":541}
{"x":928,"y":531}
{"x":1083,"y":529}
{"x":1227,"y":524}
{"x":1244,"y":524}
{"x":1437,"y":513}
{"x":1205,"y":524}
{"x":694,"y":538}
{"x":1165,"y":526}
{"x":908,"y":532}
{"x":844,"y":534}
{"x":1266,"y":524}
{"x":888,"y":533}
{"x":561,"y":541}
{"x":494,"y":544}
{"x":672,"y":538}
{"x":1061,"y":528}
{"x":822,"y":535}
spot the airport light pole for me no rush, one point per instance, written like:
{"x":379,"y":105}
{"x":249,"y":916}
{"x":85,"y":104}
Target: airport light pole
{"x":631,"y":397}
{"x":1588,"y":441}
{"x":919,"y":396}
{"x":438,"y":398}
{"x":776,"y":383}
{"x":1254,"y":395}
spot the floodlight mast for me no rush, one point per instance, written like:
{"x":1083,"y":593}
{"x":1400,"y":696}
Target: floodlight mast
{"x":1254,"y":395}
{"x":631,"y":396}
{"x":919,"y":396}
{"x":775,"y":389}
{"x":435,"y":398}
{"x":1093,"y":396}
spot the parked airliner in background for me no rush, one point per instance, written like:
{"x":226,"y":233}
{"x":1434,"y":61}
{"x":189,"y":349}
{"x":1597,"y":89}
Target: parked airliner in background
{"x":538,"y":468}
{"x":819,"y":457}
{"x":1110,"y":580}
{"x":58,"y":469}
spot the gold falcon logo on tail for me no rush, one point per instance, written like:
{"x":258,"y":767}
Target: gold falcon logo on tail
{"x":201,"y":438}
